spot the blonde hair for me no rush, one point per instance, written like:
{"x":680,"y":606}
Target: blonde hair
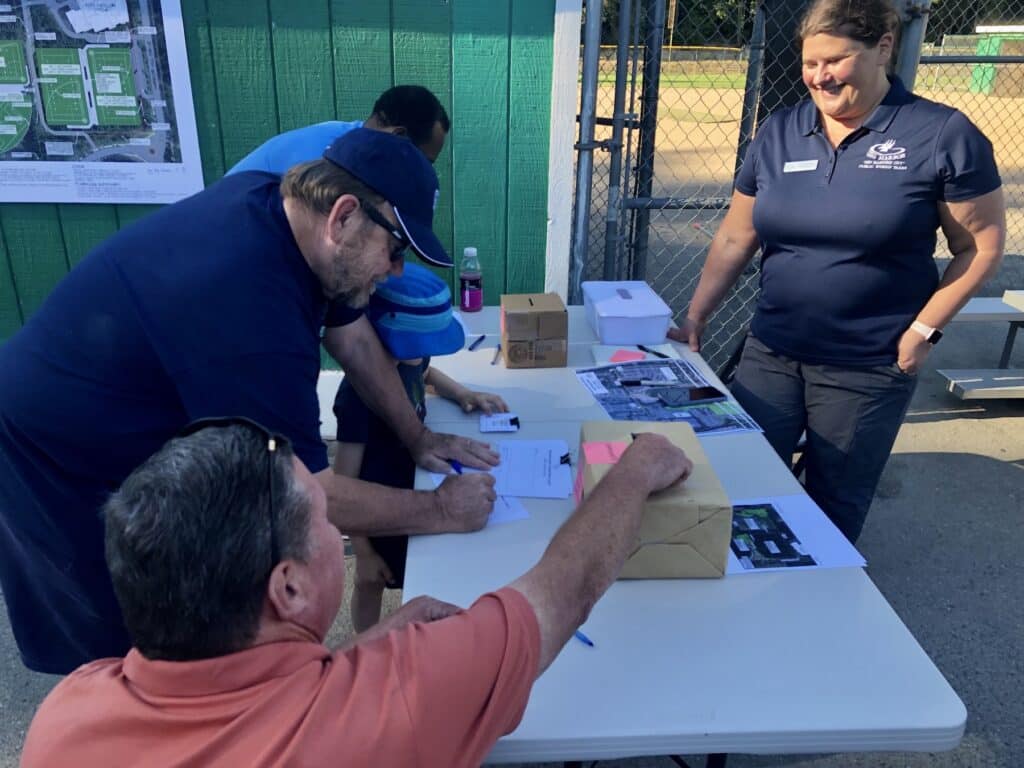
{"x":318,"y":185}
{"x":865,"y":21}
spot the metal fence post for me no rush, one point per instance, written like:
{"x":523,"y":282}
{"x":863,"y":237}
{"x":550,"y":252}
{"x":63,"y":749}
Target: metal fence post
{"x":613,"y":217}
{"x":752,"y":85}
{"x":911,"y":40}
{"x":648,"y":130}
{"x":585,"y":147}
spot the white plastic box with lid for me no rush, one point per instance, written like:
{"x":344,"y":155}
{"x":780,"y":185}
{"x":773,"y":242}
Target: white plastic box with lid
{"x":626,"y":312}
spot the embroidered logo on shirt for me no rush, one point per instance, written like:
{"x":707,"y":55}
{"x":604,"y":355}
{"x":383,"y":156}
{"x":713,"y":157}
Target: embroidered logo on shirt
{"x":885,"y":156}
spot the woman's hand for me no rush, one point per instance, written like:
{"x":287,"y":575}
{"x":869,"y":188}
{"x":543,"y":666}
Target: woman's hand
{"x":911,"y":351}
{"x":689,"y":332}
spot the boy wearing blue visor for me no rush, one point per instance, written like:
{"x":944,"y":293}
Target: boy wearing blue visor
{"x":413,"y":317}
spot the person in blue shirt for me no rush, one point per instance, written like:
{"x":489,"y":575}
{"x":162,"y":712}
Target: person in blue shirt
{"x":208,"y":307}
{"x":844,"y":193}
{"x":413,"y":317}
{"x":405,"y":110}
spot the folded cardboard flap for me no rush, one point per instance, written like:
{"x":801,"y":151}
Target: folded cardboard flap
{"x":686,"y":528}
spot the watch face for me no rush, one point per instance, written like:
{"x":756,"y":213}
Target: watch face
{"x":934,"y":336}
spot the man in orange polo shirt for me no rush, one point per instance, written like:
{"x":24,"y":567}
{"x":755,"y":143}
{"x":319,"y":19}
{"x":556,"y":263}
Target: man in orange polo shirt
{"x":230,"y":575}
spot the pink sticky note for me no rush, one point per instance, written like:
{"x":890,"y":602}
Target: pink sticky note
{"x":626,"y":356}
{"x":603,"y":453}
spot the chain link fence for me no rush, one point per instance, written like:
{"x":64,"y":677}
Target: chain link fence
{"x":973,"y":59}
{"x":680,"y":87}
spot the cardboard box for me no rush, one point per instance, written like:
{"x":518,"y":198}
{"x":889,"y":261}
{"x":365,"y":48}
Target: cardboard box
{"x":534,"y":330}
{"x":686,"y":528}
{"x":626,"y":312}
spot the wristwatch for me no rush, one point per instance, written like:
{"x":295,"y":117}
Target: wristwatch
{"x":931,"y":335}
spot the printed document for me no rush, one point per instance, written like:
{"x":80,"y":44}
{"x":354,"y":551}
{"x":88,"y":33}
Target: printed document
{"x":537,"y":469}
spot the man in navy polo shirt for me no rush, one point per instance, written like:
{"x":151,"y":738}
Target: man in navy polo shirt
{"x":844,"y":193}
{"x":404,"y":110}
{"x":209,"y":307}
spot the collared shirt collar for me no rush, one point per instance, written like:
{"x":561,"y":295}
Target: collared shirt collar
{"x":878,"y":121}
{"x":221,"y":674}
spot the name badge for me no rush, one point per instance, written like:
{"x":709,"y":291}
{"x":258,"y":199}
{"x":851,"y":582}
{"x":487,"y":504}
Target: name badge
{"x":798,"y":166}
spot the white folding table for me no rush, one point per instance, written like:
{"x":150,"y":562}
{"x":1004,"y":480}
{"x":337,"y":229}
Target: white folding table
{"x":782,"y":662}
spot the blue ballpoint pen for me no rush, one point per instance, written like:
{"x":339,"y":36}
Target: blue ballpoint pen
{"x":477,"y":343}
{"x":583,"y":638}
{"x":456,"y":466}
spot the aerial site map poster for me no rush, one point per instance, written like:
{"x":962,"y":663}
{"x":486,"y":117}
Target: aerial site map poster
{"x":95,"y":103}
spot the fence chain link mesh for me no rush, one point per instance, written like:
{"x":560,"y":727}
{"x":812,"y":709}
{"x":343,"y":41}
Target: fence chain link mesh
{"x":725,"y":65}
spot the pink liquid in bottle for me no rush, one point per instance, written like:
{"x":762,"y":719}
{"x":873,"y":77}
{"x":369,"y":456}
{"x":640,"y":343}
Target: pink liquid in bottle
{"x":471,"y":282}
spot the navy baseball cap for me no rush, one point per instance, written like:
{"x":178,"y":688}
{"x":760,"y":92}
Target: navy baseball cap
{"x":395,"y":169}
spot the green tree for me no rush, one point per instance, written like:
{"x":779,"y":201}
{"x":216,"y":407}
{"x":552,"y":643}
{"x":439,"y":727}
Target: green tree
{"x":704,"y":22}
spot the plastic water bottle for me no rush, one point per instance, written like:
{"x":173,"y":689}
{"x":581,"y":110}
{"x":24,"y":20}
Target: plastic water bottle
{"x":471,"y":282}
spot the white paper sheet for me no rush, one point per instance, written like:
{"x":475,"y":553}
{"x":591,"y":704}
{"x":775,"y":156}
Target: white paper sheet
{"x":783,"y":533}
{"x":529,"y":469}
{"x":506,"y":510}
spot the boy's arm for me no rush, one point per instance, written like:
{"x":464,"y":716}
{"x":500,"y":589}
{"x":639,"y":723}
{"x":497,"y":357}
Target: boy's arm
{"x":445,"y":386}
{"x":356,"y":347}
{"x":348,"y":458}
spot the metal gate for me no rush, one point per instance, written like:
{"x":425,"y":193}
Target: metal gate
{"x":671,"y":99}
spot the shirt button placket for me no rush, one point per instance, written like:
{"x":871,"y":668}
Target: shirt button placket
{"x":831,"y":166}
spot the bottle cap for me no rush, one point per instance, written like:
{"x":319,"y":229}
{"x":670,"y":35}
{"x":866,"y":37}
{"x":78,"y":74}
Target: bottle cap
{"x":469,"y":253}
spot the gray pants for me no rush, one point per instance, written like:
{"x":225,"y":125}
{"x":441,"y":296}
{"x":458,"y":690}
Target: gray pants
{"x":851,"y":417}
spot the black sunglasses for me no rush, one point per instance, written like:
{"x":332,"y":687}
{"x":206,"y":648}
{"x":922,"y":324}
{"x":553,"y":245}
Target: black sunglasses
{"x":398,"y":252}
{"x":273,"y":442}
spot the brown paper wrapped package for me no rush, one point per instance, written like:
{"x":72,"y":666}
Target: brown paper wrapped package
{"x":686,"y":528}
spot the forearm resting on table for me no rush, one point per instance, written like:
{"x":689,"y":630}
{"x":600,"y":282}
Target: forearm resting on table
{"x":444,"y":385}
{"x":583,"y":559}
{"x":367,"y":509}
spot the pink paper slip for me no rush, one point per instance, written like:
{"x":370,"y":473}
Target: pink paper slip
{"x":626,"y":356}
{"x":603,"y":453}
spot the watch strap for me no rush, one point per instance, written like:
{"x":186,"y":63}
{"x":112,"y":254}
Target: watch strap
{"x":931,"y":335}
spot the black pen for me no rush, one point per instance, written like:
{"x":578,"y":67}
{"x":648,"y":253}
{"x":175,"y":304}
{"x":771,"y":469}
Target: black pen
{"x":478,"y":342}
{"x":650,"y":351}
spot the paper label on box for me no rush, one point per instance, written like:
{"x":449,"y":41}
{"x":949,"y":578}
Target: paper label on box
{"x":604,"y":453}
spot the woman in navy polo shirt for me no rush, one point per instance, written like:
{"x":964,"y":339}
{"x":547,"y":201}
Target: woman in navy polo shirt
{"x":844,"y":193}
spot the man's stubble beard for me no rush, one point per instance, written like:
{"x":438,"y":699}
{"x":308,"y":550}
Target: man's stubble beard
{"x":350,"y":290}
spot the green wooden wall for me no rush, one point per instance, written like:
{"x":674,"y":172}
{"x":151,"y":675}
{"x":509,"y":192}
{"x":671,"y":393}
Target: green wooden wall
{"x":259,"y":67}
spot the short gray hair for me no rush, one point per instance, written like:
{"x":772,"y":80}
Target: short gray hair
{"x":188,"y":541}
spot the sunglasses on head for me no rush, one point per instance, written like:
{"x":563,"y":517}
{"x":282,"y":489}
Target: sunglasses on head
{"x":398,"y":252}
{"x":272,"y":442}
